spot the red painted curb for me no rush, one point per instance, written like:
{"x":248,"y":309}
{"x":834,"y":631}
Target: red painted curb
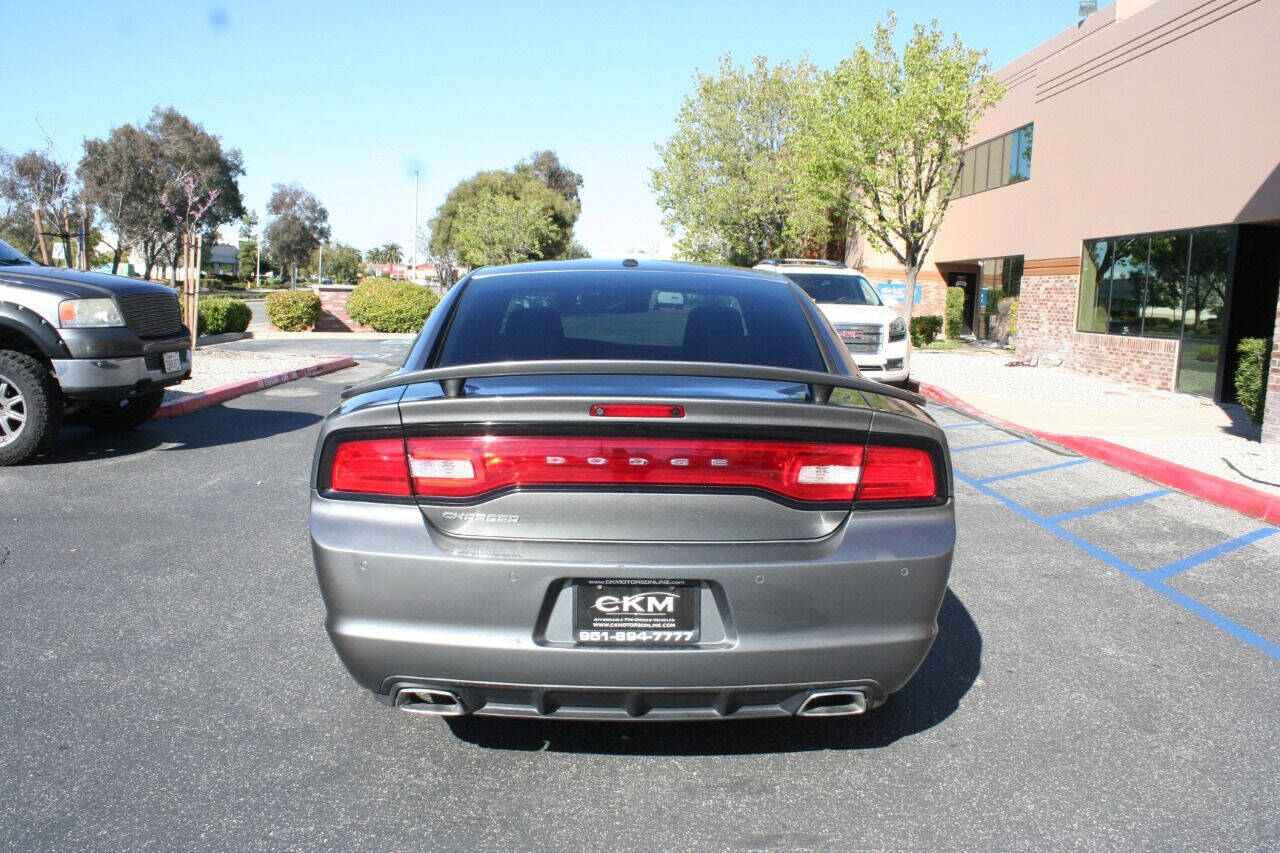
{"x":231,"y":390}
{"x":1216,"y":490}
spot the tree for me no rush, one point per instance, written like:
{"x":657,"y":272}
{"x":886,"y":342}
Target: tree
{"x":722,"y":183}
{"x":494,"y":228}
{"x":387,"y":253}
{"x":528,"y":183}
{"x":18,"y":227}
{"x":247,"y":255}
{"x":534,"y":206}
{"x":300,"y":224}
{"x":882,"y":137}
{"x":249,"y":226}
{"x":124,"y":176}
{"x":547,"y":168}
{"x":42,"y":184}
{"x":446,"y":267}
{"x":342,"y":263}
{"x":187,"y":148}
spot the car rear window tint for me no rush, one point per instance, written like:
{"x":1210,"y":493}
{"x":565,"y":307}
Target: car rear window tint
{"x":630,"y":315}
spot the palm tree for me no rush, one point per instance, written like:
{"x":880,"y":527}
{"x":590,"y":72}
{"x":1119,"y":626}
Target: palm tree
{"x":387,"y":253}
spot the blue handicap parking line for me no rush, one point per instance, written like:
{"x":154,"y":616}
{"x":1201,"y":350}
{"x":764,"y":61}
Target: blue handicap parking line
{"x":966,"y":425}
{"x":956,"y":450}
{"x":1209,"y":553}
{"x":1152,"y":580}
{"x":1029,"y":471}
{"x":1116,"y":504}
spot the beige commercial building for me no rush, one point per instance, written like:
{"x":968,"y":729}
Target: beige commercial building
{"x":1126,"y":190}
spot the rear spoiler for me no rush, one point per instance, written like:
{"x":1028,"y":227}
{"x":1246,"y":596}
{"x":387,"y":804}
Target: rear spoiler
{"x":453,"y":379}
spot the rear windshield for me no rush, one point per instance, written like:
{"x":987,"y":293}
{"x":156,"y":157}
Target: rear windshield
{"x":836,"y":289}
{"x":630,"y":315}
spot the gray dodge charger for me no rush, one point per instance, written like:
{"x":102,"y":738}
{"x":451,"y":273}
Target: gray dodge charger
{"x":621,"y":490}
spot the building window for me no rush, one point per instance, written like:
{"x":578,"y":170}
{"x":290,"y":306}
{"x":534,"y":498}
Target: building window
{"x":965,"y":183}
{"x":1020,"y":154}
{"x":1168,"y":285}
{"x":998,"y":280}
{"x":1128,"y":280}
{"x":1001,"y":276}
{"x":996,"y":163}
{"x":1166,"y":275}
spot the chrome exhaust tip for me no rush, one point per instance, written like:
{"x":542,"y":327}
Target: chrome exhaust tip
{"x":833,"y":703}
{"x":431,"y":701}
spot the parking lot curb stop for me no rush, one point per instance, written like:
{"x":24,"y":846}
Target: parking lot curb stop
{"x":214,"y":396}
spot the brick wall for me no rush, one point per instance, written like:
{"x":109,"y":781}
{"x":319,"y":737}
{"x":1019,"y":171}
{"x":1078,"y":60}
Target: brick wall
{"x":1047,"y":327}
{"x":1271,"y":415}
{"x":333,"y":312}
{"x":933,"y":299}
{"x":1047,"y":315}
{"x":1150,"y":362}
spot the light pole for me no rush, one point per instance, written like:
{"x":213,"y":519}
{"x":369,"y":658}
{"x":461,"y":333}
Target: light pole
{"x":415,"y":226}
{"x":257,"y":272}
{"x":413,"y":238}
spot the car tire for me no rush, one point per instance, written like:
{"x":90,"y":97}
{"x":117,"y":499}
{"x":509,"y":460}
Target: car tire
{"x":121,"y":415}
{"x":30,"y":407}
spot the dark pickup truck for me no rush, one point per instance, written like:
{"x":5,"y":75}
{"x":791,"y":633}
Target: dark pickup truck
{"x":97,"y":348}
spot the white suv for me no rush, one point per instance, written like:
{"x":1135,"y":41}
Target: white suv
{"x":874,"y":333}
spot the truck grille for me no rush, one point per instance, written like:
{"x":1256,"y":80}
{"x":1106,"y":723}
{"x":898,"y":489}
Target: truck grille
{"x":151,"y":315}
{"x":861,"y":337}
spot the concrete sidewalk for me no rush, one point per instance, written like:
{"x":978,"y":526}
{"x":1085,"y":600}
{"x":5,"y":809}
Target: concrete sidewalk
{"x":1179,"y":428}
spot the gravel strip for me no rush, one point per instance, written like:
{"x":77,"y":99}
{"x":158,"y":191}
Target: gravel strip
{"x":1181,"y":428}
{"x":213,"y":368}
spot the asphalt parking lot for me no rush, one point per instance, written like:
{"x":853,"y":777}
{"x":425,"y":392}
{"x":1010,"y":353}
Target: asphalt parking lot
{"x":1107,"y":677}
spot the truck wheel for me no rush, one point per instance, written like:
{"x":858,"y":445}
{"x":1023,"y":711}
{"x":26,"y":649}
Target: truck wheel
{"x":30,"y":407}
{"x":121,"y":415}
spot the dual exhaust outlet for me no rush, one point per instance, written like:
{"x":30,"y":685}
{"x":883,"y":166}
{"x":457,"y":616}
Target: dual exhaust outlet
{"x":430,"y":701}
{"x":435,"y":702}
{"x":833,"y":703}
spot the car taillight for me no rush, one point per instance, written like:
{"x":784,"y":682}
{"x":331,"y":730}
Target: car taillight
{"x":371,"y":467}
{"x":471,"y":466}
{"x":897,"y":474}
{"x":458,"y":467}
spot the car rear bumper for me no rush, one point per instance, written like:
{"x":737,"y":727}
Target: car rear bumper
{"x":487,"y":620}
{"x":575,"y":702}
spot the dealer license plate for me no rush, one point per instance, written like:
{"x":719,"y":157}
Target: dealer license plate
{"x":636,"y":612}
{"x":172,"y":362}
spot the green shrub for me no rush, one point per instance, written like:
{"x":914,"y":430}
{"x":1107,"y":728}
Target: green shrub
{"x":955,"y":312}
{"x":1251,"y":375}
{"x":293,"y":310}
{"x":221,"y":314}
{"x":1013,"y":317}
{"x":391,"y":306}
{"x":925,"y":329}
{"x":1209,"y":352}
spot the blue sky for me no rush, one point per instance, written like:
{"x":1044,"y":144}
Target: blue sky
{"x":345,"y":98}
